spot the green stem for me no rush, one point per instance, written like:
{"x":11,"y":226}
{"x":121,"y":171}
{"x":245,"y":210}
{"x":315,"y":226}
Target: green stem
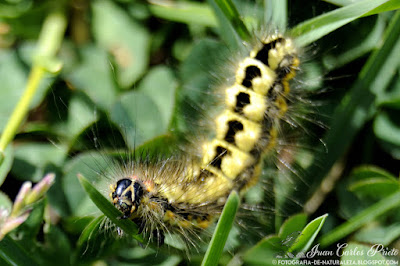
{"x":362,"y":218}
{"x":49,"y":42}
{"x":221,"y":233}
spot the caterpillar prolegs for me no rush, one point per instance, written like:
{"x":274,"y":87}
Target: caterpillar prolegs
{"x":182,"y":196}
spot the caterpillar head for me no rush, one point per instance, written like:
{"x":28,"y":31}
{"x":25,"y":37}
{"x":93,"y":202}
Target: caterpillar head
{"x":126,"y":196}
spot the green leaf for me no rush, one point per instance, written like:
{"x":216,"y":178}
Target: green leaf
{"x":315,"y":28}
{"x":135,"y":113}
{"x":94,"y":76}
{"x":364,"y":217}
{"x":388,"y":6}
{"x":196,"y":91}
{"x":374,"y":187}
{"x":221,"y":233}
{"x":351,"y":48}
{"x":357,"y":107}
{"x":28,"y":231}
{"x":373,"y":182}
{"x":308,"y":234}
{"x":366,"y":172}
{"x":265,"y":251}
{"x":391,"y":99}
{"x":276,"y":13}
{"x":160,"y":85}
{"x":226,"y":30}
{"x":92,"y":165}
{"x":129,"y":227}
{"x":378,"y":233}
{"x":94,"y":242}
{"x":185,"y":12}
{"x":125,"y":39}
{"x":14,"y":254}
{"x":58,"y":247}
{"x":232,"y":15}
{"x":386,"y":127}
{"x":293,"y":224}
{"x":81,"y":115}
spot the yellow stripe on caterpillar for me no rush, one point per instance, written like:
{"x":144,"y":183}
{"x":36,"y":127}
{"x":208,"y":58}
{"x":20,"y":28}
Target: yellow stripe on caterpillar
{"x":254,"y":74}
{"x":248,"y":102}
{"x":225,"y":156}
{"x":237,"y":130}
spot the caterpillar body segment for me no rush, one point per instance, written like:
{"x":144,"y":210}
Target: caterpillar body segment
{"x":183,"y":196}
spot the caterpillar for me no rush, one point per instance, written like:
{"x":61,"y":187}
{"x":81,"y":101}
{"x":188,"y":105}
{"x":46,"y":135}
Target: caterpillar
{"x":186,"y":195}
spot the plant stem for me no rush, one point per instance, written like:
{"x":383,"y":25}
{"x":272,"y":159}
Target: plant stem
{"x":374,"y":211}
{"x":49,"y":42}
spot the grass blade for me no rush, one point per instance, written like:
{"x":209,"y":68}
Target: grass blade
{"x":185,"y":12}
{"x":13,"y":254}
{"x":109,"y":210}
{"x":362,"y":218}
{"x":232,"y":15}
{"x":276,"y":13}
{"x":308,"y":234}
{"x":358,"y":105}
{"x":315,"y":28}
{"x":221,"y":233}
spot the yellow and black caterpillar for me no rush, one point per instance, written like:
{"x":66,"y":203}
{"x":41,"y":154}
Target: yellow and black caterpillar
{"x":182,"y":196}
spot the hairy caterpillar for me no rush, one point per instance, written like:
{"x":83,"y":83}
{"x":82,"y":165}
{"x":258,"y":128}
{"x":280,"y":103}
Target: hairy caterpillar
{"x":183,"y":196}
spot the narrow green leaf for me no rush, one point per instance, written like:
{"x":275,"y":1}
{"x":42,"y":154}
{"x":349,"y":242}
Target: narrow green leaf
{"x":373,"y":182}
{"x":387,"y":128}
{"x":92,"y":244}
{"x":366,"y":216}
{"x":370,"y":171}
{"x":353,"y":52}
{"x":309,"y":233}
{"x":374,"y":187}
{"x":124,"y":38}
{"x":293,"y":224}
{"x":378,"y":233}
{"x":357,"y":106}
{"x":128,"y":226}
{"x":221,"y":233}
{"x":388,"y":6}
{"x":315,"y":28}
{"x":276,"y":13}
{"x":265,"y":251}
{"x":185,"y":12}
{"x":340,"y":2}
{"x":230,"y":14}
{"x":14,"y":254}
{"x":109,"y":210}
